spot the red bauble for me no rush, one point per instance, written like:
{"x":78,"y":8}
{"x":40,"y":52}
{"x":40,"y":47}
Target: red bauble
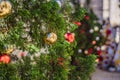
{"x":90,"y":51}
{"x":108,"y":32}
{"x":69,"y":37}
{"x":78,"y":23}
{"x":5,"y":59}
{"x":60,"y":61}
{"x":100,"y":58}
{"x":99,"y":52}
{"x":87,"y":17}
{"x":23,"y":54}
{"x":82,"y":31}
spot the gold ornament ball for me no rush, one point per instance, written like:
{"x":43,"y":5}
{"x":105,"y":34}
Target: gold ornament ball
{"x":51,"y":38}
{"x":5,"y":8}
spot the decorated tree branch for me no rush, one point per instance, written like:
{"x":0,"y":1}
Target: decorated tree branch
{"x":50,"y":34}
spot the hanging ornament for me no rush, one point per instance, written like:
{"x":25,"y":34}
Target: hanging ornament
{"x":78,"y":23}
{"x":5,"y":8}
{"x":97,"y":38}
{"x":99,"y":52}
{"x":86,"y":52}
{"x":80,"y":51}
{"x":70,"y":37}
{"x":23,"y":54}
{"x":10,"y":50}
{"x":87,"y":17}
{"x":59,"y":3}
{"x":108,"y":32}
{"x":82,"y":31}
{"x":94,"y":42}
{"x":103,"y":47}
{"x":5,"y":59}
{"x":60,"y":61}
{"x":51,"y":38}
{"x":98,"y":48}
{"x":96,"y":28}
{"x":90,"y":51}
{"x":91,"y":30}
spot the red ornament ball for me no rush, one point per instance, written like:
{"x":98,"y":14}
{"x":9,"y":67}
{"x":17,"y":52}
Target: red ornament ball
{"x":99,"y":52}
{"x":5,"y":59}
{"x":23,"y":54}
{"x":82,"y":31}
{"x":90,"y":51}
{"x":87,"y":17}
{"x":70,"y":37}
{"x":108,"y":32}
{"x":78,"y":23}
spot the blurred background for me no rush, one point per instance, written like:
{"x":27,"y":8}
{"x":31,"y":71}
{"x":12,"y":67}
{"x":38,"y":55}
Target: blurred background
{"x":108,"y":13}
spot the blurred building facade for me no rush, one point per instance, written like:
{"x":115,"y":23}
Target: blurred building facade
{"x":105,"y":9}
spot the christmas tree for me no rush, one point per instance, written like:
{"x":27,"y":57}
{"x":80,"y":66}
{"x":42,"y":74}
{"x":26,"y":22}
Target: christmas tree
{"x":34,"y":26}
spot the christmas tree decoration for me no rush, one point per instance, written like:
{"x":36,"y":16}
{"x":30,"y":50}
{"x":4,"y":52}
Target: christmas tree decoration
{"x":86,"y":51}
{"x":60,"y":61}
{"x":91,"y":30}
{"x":82,"y":31}
{"x":78,"y":23}
{"x":96,"y":28}
{"x":70,"y":37}
{"x":99,"y":52}
{"x":108,"y":32}
{"x":8,"y":51}
{"x":87,"y":17}
{"x":97,"y":38}
{"x":94,"y":42}
{"x":51,"y":38}
{"x":5,"y":59}
{"x":98,"y":48}
{"x":23,"y":54}
{"x":80,"y":51}
{"x":5,"y":8}
{"x":90,"y":51}
{"x":59,"y":3}
{"x":36,"y":23}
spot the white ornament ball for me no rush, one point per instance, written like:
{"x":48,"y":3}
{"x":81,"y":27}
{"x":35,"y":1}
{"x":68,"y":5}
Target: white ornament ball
{"x":59,"y":3}
{"x":86,"y":52}
{"x":98,"y":48}
{"x":96,"y":28}
{"x":103,"y":47}
{"x":97,"y":38}
{"x":79,"y":51}
{"x":91,"y":31}
{"x":101,"y":30}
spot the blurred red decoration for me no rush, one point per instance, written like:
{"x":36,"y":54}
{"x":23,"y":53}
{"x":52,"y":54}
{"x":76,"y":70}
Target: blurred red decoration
{"x":70,"y":37}
{"x":93,"y":42}
{"x":90,"y":51}
{"x":87,"y":17}
{"x":60,"y":61}
{"x":99,"y":52}
{"x":5,"y":59}
{"x":100,"y":58}
{"x":82,"y":31}
{"x":78,"y":23}
{"x":23,"y":54}
{"x":108,"y":32}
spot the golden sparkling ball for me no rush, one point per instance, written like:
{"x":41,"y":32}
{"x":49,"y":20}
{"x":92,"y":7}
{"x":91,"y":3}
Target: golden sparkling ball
{"x":5,"y":8}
